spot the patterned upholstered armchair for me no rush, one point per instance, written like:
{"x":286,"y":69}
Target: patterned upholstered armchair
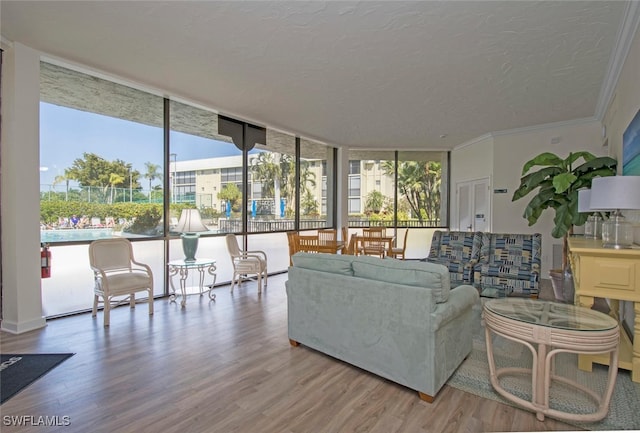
{"x":509,"y":264}
{"x":458,"y":251}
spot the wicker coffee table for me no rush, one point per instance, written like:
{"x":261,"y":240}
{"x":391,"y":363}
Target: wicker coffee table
{"x":553,"y":328}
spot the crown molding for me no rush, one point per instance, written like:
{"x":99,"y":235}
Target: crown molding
{"x":534,"y":128}
{"x":5,"y":42}
{"x":624,"y":39}
{"x":473,"y":141}
{"x":526,"y":129}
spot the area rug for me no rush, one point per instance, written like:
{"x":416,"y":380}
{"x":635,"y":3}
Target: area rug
{"x":473,"y":376}
{"x":19,"y":371}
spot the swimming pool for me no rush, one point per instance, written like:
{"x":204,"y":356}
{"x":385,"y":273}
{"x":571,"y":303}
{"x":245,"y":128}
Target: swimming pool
{"x":66,"y":235}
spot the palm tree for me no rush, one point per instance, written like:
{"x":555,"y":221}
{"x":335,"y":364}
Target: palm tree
{"x":115,"y":179}
{"x":419,"y":182}
{"x":266,"y":169}
{"x":307,"y":178}
{"x":276,"y":172}
{"x":152,"y":174}
{"x":63,"y":178}
{"x":374,"y":202}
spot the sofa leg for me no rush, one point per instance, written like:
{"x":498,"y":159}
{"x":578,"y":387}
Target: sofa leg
{"x":426,"y":397}
{"x":293,"y":343}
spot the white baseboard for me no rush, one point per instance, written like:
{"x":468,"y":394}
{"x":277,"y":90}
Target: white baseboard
{"x":20,"y":327}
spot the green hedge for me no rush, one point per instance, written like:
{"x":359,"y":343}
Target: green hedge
{"x":143,"y":218}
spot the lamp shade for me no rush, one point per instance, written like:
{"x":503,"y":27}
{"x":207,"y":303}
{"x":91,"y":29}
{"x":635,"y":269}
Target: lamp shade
{"x":615,"y":192}
{"x":584,"y":200}
{"x":190,"y":222}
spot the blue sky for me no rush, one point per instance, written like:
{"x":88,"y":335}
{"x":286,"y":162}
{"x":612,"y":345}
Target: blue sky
{"x":65,"y":134}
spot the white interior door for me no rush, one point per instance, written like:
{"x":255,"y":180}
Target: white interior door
{"x":481,"y":206}
{"x":465,"y":222}
{"x":474,"y":208}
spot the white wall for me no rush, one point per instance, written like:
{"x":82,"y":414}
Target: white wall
{"x":501,"y":156}
{"x":470,"y":161}
{"x":623,"y":107}
{"x":512,"y":151}
{"x":21,"y":295}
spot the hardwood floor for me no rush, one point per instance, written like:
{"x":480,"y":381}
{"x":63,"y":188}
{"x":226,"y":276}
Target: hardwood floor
{"x":226,"y":366}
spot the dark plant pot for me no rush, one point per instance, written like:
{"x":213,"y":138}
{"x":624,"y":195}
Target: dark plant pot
{"x":562,"y":283}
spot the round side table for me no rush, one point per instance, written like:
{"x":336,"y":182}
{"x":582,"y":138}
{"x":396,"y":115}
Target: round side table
{"x":182,"y":267}
{"x":546,"y":329}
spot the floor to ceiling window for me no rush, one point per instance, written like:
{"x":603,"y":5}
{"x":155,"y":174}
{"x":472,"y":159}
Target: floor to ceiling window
{"x":101,"y":149}
{"x":406,"y":191}
{"x":317,"y":185}
{"x":272,"y":189}
{"x":101,"y":154}
{"x":397,"y":188}
{"x":118,"y":161}
{"x":422,"y":189}
{"x":205,"y":173}
{"x":371,"y":188}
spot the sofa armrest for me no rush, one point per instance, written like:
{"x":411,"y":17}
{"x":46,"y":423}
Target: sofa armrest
{"x":460,"y":299}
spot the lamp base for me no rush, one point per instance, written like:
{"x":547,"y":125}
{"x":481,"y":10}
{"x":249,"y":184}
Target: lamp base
{"x":617,"y":233}
{"x":593,"y":227}
{"x":190,"y":246}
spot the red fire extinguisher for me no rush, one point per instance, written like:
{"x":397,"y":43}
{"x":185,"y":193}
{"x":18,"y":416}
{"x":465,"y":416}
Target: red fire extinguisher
{"x":45,"y":261}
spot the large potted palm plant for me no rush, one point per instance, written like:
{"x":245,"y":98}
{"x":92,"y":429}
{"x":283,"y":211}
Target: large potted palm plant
{"x":556,"y":186}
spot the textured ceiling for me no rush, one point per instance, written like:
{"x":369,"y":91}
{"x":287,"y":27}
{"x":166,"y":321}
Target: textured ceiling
{"x":368,"y":74}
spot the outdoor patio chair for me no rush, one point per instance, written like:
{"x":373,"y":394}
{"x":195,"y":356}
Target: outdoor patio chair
{"x":117,"y":274}
{"x":96,"y":222}
{"x":246,"y":263}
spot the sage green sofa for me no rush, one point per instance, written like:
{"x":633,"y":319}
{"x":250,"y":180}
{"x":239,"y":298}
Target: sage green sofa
{"x":397,"y":319}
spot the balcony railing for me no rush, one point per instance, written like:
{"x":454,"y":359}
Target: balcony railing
{"x":277,"y":225}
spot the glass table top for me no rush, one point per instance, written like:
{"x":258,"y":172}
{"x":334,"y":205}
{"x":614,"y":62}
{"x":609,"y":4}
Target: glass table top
{"x":193,"y":264}
{"x":551,"y":314}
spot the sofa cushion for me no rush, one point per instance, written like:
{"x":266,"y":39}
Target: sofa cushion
{"x":522,"y":272}
{"x":334,"y":263}
{"x":411,"y":273}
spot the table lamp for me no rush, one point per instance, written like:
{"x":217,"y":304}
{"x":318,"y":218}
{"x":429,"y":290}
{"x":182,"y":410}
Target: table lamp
{"x":613,"y":193}
{"x":189,"y":225}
